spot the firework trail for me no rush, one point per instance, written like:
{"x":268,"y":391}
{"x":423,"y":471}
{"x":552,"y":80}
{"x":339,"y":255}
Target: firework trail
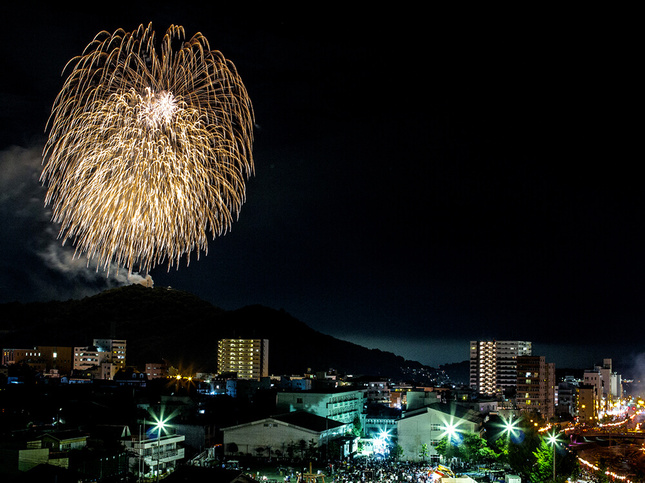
{"x":149,"y":148}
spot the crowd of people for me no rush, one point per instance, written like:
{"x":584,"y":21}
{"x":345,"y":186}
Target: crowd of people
{"x":365,"y":471}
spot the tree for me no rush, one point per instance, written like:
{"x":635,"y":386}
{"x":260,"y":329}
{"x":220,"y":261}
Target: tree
{"x":446,"y":449}
{"x":302,"y":446}
{"x":312,"y":449}
{"x":520,"y":451}
{"x":471,"y":448}
{"x":424,"y":451}
{"x":542,"y":469}
{"x":357,"y":427}
{"x":232,"y":448}
{"x":397,"y":452}
{"x":291,"y":449}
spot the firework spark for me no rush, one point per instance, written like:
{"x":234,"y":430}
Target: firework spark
{"x":149,"y":148}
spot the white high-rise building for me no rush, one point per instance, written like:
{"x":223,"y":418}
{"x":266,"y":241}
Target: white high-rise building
{"x":493,"y":364}
{"x":483,"y":366}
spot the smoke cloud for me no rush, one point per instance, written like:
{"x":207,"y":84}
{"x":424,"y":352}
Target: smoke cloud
{"x":34,"y":264}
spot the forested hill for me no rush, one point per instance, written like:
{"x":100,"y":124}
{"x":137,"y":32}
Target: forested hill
{"x":183,"y":329}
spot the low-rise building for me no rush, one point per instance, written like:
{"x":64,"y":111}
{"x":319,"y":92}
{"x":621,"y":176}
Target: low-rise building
{"x":279,"y":435}
{"x":152,"y":455}
{"x":340,"y":405}
{"x":421,"y":430}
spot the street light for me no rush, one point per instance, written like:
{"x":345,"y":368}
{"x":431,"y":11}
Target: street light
{"x":453,"y":434}
{"x":553,"y":439}
{"x":161,"y":423}
{"x":511,"y":427}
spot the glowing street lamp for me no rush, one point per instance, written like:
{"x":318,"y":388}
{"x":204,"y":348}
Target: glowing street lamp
{"x":451,"y":431}
{"x":511,"y":427}
{"x":553,"y":440}
{"x":161,"y":423}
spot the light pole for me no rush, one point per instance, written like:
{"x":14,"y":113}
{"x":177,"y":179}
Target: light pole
{"x":511,"y":427}
{"x":451,"y":431}
{"x":160,"y":422}
{"x":553,"y":439}
{"x":160,"y":425}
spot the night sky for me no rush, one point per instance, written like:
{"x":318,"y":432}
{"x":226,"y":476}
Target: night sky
{"x":422,"y":179}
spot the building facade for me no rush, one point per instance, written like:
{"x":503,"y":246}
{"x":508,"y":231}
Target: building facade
{"x":341,"y":406}
{"x":420,"y":431}
{"x":507,"y":353}
{"x":248,"y":358}
{"x":157,"y":455}
{"x":607,"y":383}
{"x":587,"y":404}
{"x":116,"y":348}
{"x":281,"y":434}
{"x":493,"y":365}
{"x":536,"y":386}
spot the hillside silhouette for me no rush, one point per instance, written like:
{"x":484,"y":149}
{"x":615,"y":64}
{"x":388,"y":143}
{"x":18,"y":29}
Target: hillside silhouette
{"x":163,"y":323}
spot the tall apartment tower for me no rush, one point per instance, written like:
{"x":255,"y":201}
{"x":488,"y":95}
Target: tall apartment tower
{"x":249,"y":358}
{"x":536,"y":385}
{"x":483,"y":366}
{"x":493,"y":364}
{"x":507,"y":353}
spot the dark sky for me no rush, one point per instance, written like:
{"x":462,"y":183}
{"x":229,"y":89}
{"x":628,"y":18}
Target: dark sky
{"x":422,"y":178}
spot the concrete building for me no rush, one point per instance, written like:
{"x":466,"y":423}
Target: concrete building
{"x":156,"y":370}
{"x":103,"y":360}
{"x":282,"y":434}
{"x":567,"y":403}
{"x":57,"y":358}
{"x":507,"y":353}
{"x":160,"y":455}
{"x":16,"y":356}
{"x":587,"y":404}
{"x":493,"y":365}
{"x":116,"y":348}
{"x":88,"y":358}
{"x":377,"y":392}
{"x":248,"y":358}
{"x":483,"y":366}
{"x":607,"y":383}
{"x":536,"y":386}
{"x":340,"y":405}
{"x":419,"y":398}
{"x":429,"y":425}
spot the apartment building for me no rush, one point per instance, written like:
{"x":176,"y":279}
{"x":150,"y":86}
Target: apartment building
{"x":536,"y":386}
{"x":607,"y":383}
{"x":248,"y":358}
{"x":493,"y":365}
{"x":587,"y":404}
{"x":116,"y":348}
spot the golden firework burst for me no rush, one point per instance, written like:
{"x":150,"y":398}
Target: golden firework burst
{"x":149,"y":148}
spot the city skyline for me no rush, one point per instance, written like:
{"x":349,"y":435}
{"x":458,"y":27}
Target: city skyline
{"x":420,"y":182}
